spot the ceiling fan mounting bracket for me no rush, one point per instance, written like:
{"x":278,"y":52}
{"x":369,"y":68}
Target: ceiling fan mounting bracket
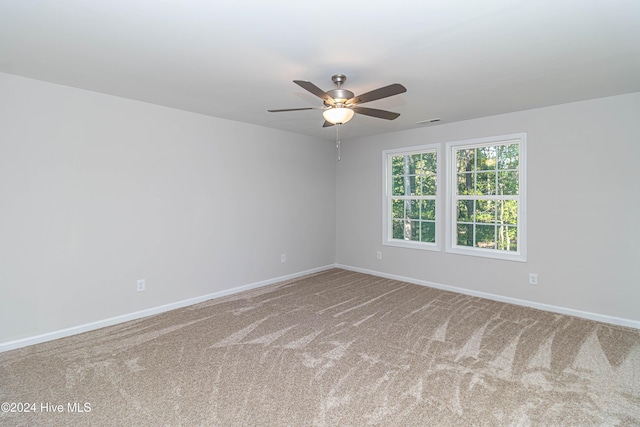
{"x":338,"y":79}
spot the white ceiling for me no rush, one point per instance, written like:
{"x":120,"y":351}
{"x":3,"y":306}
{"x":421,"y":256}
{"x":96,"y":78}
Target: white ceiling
{"x":235,"y":59}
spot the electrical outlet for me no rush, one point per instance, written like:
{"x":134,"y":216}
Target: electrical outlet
{"x":283,"y":258}
{"x":379,"y":255}
{"x":533,"y":279}
{"x":140,"y":285}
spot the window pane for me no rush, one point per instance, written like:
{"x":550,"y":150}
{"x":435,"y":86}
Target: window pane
{"x":428,"y":232}
{"x":508,"y":238}
{"x":414,"y":161}
{"x":412,"y":230}
{"x":508,"y":183}
{"x":397,"y":207}
{"x":508,"y":156}
{"x":486,"y":158}
{"x":465,"y":184}
{"x":397,"y":165}
{"x":465,"y":210}
{"x":398,"y":229}
{"x":508,"y":211}
{"x":418,"y":185}
{"x":465,"y":160}
{"x":486,"y":211}
{"x":465,"y":234}
{"x":410,"y":185}
{"x":428,"y":209}
{"x":430,"y":162}
{"x":486,"y":236}
{"x":428,"y":187}
{"x":413,"y":209}
{"x":486,"y":183}
{"x":398,"y":186}
{"x":513,"y":238}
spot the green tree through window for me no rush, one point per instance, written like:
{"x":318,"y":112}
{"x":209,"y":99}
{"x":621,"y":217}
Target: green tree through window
{"x":411,"y":196}
{"x":472,"y":198}
{"x":487,"y":196}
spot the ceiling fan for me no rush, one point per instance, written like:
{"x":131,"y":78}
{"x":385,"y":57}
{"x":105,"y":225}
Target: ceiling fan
{"x":341,"y":104}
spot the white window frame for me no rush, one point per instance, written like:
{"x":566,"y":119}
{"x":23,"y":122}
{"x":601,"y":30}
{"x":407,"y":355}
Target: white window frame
{"x":387,"y":215}
{"x":451,"y":198}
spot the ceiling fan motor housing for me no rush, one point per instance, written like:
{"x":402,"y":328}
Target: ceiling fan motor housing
{"x":339,"y":95}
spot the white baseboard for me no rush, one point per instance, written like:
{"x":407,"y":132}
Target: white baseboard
{"x":50,"y":336}
{"x":540,"y":306}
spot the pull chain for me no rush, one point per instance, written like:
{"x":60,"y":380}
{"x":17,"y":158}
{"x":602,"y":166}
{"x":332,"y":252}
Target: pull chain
{"x":338,"y":139}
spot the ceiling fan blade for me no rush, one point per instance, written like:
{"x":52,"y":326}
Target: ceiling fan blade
{"x":326,"y":124}
{"x":383,"y":92}
{"x":374,"y":112}
{"x":295,"y":109}
{"x":315,"y":90}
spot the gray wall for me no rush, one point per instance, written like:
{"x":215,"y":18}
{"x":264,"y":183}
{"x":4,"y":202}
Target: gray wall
{"x":98,"y":191}
{"x":583,"y":209}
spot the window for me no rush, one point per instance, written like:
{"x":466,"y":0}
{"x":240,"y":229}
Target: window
{"x":486,"y":197}
{"x":411,"y":205}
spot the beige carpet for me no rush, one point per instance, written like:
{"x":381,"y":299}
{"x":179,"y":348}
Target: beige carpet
{"x":336,"y":348}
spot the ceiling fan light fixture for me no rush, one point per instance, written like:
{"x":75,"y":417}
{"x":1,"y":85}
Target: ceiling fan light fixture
{"x":338,"y":115}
